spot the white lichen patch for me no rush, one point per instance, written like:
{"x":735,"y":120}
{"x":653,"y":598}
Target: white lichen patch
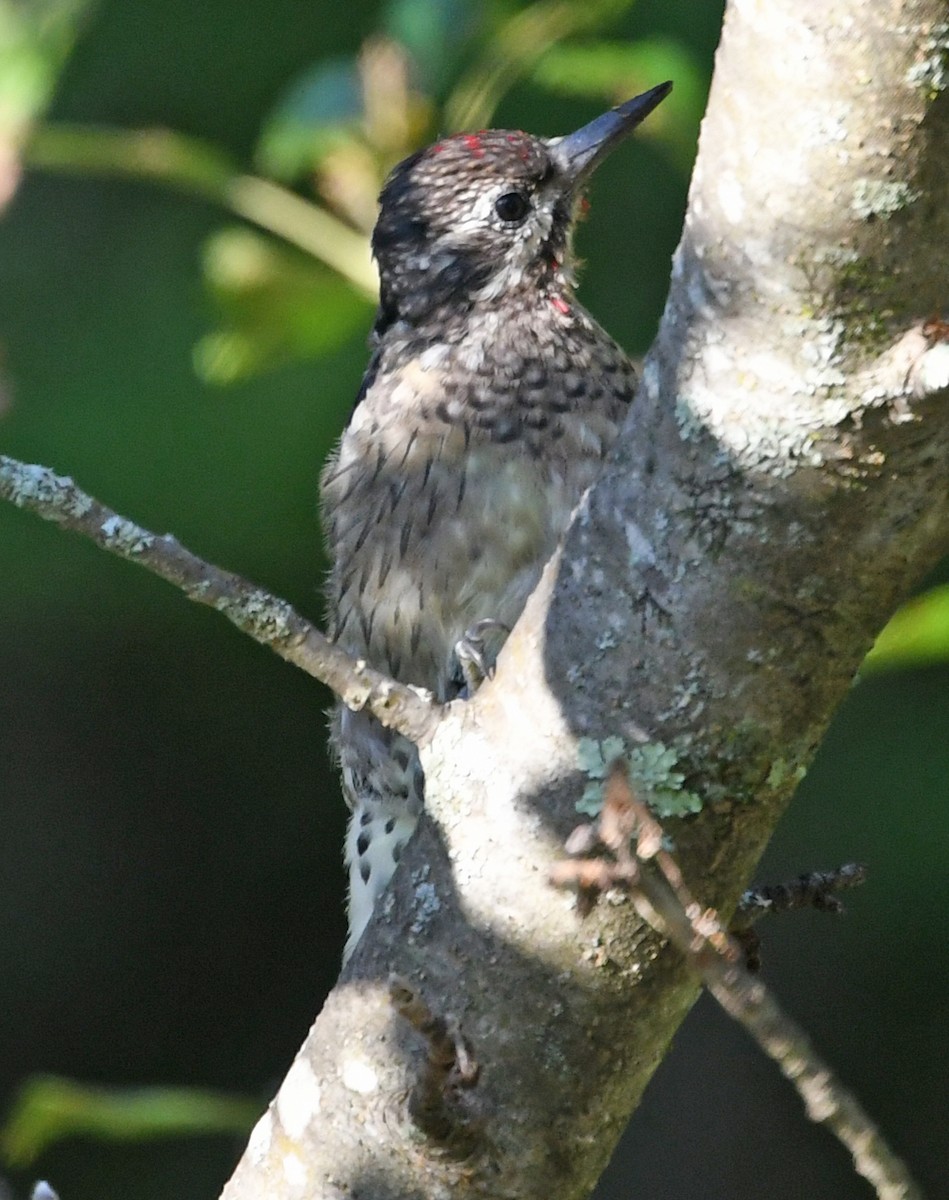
{"x":650,"y":379}
{"x":641,"y":550}
{"x":270,"y":618}
{"x":825,"y":128}
{"x":731,"y":197}
{"x":932,"y":370}
{"x":30,"y":484}
{"x":427,"y":903}
{"x":298,"y":1101}
{"x":258,"y":1144}
{"x":931,"y":73}
{"x":295,"y":1170}
{"x":881,"y":197}
{"x":359,"y":1076}
{"x":767,"y":410}
{"x":125,"y":536}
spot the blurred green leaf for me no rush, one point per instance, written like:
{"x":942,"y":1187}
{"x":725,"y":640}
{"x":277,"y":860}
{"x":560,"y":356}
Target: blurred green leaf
{"x":516,"y":45}
{"x":612,"y":71}
{"x":275,"y":306}
{"x":434,"y":32}
{"x":50,"y":1108}
{"x":36,"y":37}
{"x":917,"y":635}
{"x":344,"y":124}
{"x":320,"y":110}
{"x":196,"y":167}
{"x":35,"y":40}
{"x":160,"y":155}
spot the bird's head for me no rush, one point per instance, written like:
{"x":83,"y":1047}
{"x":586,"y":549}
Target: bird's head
{"x":479,"y":216}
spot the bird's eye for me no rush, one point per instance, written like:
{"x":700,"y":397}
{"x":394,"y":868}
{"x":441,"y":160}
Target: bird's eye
{"x":512,"y":207}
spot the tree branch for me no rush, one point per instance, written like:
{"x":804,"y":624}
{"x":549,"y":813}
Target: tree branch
{"x":264,"y":617}
{"x":780,"y":487}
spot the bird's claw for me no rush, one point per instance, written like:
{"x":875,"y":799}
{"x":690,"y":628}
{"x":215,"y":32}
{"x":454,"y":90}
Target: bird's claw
{"x":471,"y":652}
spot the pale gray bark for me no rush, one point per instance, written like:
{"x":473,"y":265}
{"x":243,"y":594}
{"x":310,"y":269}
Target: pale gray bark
{"x":781,"y":486}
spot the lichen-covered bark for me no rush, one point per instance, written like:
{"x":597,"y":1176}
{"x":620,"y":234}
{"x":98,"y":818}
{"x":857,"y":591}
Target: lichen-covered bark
{"x":782,"y":484}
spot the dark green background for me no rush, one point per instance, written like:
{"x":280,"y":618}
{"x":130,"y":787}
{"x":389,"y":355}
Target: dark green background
{"x":170,"y":879}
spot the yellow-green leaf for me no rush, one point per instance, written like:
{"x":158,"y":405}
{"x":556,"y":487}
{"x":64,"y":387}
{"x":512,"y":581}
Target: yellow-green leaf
{"x":50,"y":1108}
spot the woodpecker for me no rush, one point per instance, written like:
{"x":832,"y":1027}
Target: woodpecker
{"x":489,"y":403}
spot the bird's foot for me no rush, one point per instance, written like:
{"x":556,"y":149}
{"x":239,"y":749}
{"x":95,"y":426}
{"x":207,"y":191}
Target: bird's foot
{"x":471,"y":652}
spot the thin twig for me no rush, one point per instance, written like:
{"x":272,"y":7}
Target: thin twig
{"x":704,"y":941}
{"x":814,"y":889}
{"x":262,"y":616}
{"x":662,"y":900}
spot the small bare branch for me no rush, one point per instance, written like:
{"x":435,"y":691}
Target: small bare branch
{"x":262,"y":616}
{"x":662,"y":899}
{"x":814,"y":889}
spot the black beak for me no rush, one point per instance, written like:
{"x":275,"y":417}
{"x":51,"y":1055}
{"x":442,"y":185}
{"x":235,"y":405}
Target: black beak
{"x":578,"y":154}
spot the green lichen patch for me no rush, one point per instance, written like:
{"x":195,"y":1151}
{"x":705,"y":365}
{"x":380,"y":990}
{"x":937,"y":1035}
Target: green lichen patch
{"x":593,"y":759}
{"x":652,"y":771}
{"x":862,"y":304}
{"x":782,"y":772}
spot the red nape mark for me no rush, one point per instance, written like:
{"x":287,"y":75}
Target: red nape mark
{"x":475,"y":145}
{"x":437,"y":148}
{"x":560,"y":304}
{"x":584,"y":206}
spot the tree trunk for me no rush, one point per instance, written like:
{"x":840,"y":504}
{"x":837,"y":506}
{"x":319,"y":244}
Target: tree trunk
{"x":780,"y":487}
